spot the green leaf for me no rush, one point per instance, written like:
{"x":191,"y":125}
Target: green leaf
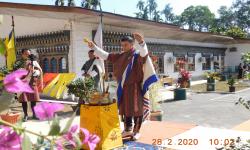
{"x":26,"y":142}
{"x":78,"y":141}
{"x":55,"y":127}
{"x":40,"y":140}
{"x":69,"y":123}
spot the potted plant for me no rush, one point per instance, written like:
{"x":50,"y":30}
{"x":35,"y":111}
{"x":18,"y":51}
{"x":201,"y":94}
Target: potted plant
{"x":231,"y":83}
{"x":182,"y":83}
{"x":156,"y":112}
{"x":184,"y":79}
{"x":81,"y":88}
{"x":211,"y":77}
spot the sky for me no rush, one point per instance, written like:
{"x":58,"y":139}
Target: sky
{"x":128,"y":7}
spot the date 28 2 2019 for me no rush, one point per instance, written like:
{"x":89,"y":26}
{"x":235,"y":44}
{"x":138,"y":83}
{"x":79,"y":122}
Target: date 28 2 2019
{"x":189,"y":142}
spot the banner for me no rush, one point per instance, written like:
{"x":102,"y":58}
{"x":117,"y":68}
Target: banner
{"x":104,"y":122}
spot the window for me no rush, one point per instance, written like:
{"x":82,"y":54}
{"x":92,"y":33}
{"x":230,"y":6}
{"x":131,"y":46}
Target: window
{"x":62,"y":65}
{"x":161,"y":65}
{"x":191,"y":62}
{"x":207,"y":64}
{"x":53,"y":65}
{"x":45,"y":65}
{"x":180,"y":63}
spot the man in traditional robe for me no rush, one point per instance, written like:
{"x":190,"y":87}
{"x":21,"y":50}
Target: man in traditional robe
{"x":35,"y":72}
{"x":94,"y":68}
{"x":130,"y":102}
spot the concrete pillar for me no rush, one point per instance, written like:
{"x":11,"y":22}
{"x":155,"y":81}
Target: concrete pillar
{"x":168,"y":67}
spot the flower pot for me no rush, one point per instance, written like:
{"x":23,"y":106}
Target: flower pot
{"x":156,"y":115}
{"x":210,"y":80}
{"x":210,"y":86}
{"x":180,"y":94}
{"x":231,"y":88}
{"x":12,"y":117}
{"x":185,"y":84}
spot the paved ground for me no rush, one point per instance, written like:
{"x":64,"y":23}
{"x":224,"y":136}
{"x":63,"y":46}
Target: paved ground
{"x":208,"y":109}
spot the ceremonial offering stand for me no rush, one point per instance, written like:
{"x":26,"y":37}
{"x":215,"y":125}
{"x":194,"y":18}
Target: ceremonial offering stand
{"x":103,"y":121}
{"x":100,"y":116}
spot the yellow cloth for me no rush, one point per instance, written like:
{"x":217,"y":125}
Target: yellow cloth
{"x":10,"y":51}
{"x":104,"y":122}
{"x":57,"y":86}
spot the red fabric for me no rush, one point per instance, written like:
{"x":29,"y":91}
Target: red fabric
{"x":47,"y":78}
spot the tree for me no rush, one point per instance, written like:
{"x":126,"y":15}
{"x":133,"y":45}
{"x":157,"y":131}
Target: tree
{"x":187,"y":17}
{"x":143,"y":14}
{"x":246,"y":57}
{"x":152,"y":5}
{"x":197,"y":18}
{"x":236,"y":32}
{"x":90,"y":4}
{"x":71,"y":3}
{"x":61,"y":3}
{"x":167,"y":12}
{"x":157,"y":16}
{"x":241,"y":9}
{"x":204,"y":18}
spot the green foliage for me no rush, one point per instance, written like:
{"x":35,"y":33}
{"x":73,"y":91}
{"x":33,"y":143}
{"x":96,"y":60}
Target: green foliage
{"x":246,"y":57}
{"x":90,"y":4}
{"x":68,"y":124}
{"x":168,"y":13}
{"x":4,"y":71}
{"x":212,"y":75}
{"x":26,"y":142}
{"x":55,"y":127}
{"x":81,"y":88}
{"x":231,"y":81}
{"x":62,"y":2}
{"x":236,"y":32}
{"x":148,"y":10}
{"x":197,"y":18}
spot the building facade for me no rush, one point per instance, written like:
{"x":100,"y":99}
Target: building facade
{"x":55,"y":35}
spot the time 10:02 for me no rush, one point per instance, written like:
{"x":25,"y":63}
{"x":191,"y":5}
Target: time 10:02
{"x":225,"y":142}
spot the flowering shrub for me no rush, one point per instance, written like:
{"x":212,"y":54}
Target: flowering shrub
{"x":184,"y":77}
{"x":14,"y":137}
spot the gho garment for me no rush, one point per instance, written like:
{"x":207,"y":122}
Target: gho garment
{"x":135,"y":73}
{"x":95,"y":68}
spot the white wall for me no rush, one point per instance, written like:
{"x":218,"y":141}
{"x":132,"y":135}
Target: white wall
{"x":169,"y":67}
{"x":234,"y":58}
{"x":80,"y":50}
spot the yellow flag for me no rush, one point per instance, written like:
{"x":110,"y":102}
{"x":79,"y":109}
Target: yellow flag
{"x":10,"y":51}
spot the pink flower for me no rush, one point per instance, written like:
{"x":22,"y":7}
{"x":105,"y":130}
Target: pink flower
{"x":46,"y":111}
{"x":90,"y":139}
{"x":9,"y":140}
{"x":67,"y":138}
{"x":14,"y":84}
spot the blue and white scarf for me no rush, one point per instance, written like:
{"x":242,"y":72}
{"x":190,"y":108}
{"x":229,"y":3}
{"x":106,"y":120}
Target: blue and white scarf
{"x":149,"y":77}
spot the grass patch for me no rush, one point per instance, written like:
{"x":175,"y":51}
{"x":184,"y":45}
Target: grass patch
{"x":220,"y":86}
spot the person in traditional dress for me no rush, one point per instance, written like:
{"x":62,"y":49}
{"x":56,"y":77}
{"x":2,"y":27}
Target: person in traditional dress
{"x":29,"y":63}
{"x":130,"y":102}
{"x":93,"y":68}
